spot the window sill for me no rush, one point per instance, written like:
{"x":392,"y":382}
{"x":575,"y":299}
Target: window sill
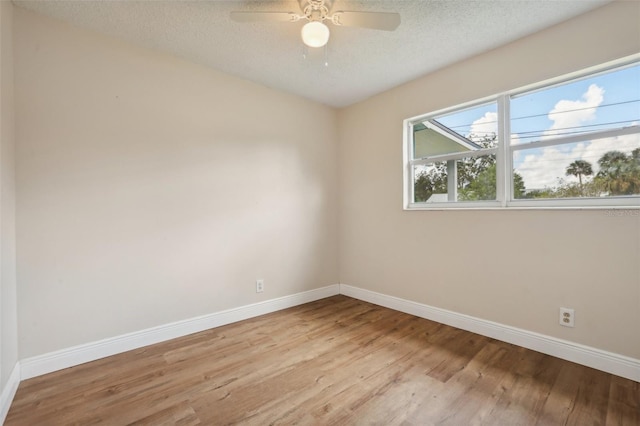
{"x":632,"y":209}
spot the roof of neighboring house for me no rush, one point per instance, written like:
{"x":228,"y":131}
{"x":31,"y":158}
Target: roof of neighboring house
{"x":434,"y":138}
{"x":438,"y":198}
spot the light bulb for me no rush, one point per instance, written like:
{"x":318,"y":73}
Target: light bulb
{"x":315,"y":34}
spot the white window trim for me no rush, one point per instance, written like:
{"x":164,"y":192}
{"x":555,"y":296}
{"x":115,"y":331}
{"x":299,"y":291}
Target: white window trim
{"x":454,"y":156}
{"x":562,"y":140}
{"x":504,"y":154}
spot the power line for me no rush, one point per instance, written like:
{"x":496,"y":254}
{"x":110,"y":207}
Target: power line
{"x":580,"y":127}
{"x":593,"y":155}
{"x":541,"y":133}
{"x":577,"y":109}
{"x":551,"y":113}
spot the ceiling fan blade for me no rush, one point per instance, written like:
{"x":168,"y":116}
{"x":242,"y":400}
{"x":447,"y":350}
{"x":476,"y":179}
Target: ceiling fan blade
{"x":375,"y":20}
{"x":264,"y":16}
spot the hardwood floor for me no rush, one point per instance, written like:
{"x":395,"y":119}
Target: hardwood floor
{"x":337,"y":361}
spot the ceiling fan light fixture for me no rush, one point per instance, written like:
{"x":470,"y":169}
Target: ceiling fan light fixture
{"x":315,"y":34}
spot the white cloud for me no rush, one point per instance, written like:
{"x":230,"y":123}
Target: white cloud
{"x":545,"y":169}
{"x":487,"y":125}
{"x":567,"y":114}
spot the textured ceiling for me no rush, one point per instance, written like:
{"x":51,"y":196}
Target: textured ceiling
{"x":362,"y":62}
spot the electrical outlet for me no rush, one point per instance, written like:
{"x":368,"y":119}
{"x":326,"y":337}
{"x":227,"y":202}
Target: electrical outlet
{"x":259,"y":286}
{"x":567,"y":317}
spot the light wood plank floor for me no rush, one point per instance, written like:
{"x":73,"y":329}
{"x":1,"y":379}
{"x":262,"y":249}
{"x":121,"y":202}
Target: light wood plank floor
{"x":337,"y":361}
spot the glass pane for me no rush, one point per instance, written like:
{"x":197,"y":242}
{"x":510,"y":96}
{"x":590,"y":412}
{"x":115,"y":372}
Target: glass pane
{"x":430,"y":183}
{"x":606,"y":101}
{"x":475,"y":180}
{"x":600,"y":168}
{"x":478,"y":123}
{"x":464,"y":130}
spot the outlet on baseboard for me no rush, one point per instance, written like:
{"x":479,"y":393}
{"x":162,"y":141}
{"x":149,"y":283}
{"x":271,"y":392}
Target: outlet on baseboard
{"x":259,"y":286}
{"x":567,"y":317}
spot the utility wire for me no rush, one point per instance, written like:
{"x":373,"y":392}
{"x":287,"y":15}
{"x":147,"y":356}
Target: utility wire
{"x":540,"y":133}
{"x":577,"y":109}
{"x":580,"y":127}
{"x":558,"y":132}
{"x":552,"y":113}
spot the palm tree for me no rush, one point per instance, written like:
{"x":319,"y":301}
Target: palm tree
{"x":611,"y":163}
{"x":580,"y":168}
{"x":616,"y":172}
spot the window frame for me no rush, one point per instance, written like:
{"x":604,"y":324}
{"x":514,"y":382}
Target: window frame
{"x":505,"y":150}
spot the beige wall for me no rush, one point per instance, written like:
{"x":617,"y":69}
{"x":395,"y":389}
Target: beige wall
{"x":152,"y":190}
{"x":8,"y":303}
{"x":513,"y":267}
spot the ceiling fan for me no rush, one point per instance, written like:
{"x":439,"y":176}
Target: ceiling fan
{"x":315,"y":33}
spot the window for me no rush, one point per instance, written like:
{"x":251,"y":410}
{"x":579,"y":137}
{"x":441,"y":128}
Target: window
{"x":454,"y":157}
{"x":569,"y":142}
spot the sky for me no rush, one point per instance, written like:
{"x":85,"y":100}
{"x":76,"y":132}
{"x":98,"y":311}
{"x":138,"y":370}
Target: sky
{"x":606,"y":101}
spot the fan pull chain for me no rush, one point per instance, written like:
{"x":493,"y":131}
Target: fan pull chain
{"x":326,"y":56}
{"x":305,"y":54}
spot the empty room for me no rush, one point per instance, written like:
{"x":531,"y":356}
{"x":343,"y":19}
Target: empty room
{"x":320,"y":212}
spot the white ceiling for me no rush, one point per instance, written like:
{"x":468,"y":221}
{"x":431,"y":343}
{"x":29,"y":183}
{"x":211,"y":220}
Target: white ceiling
{"x":362,"y":62}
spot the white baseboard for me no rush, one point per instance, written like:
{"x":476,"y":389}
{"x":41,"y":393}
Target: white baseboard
{"x":53,"y":361}
{"x":619,"y":365}
{"x":602,"y":360}
{"x":9,"y":391}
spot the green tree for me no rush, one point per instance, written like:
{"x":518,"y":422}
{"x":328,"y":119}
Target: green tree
{"x":519,"y":189}
{"x":619,"y":174}
{"x":611,"y":164}
{"x":433,"y":181}
{"x":476,"y":179}
{"x":541,"y":193}
{"x":579,"y":168}
{"x":483,"y":186}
